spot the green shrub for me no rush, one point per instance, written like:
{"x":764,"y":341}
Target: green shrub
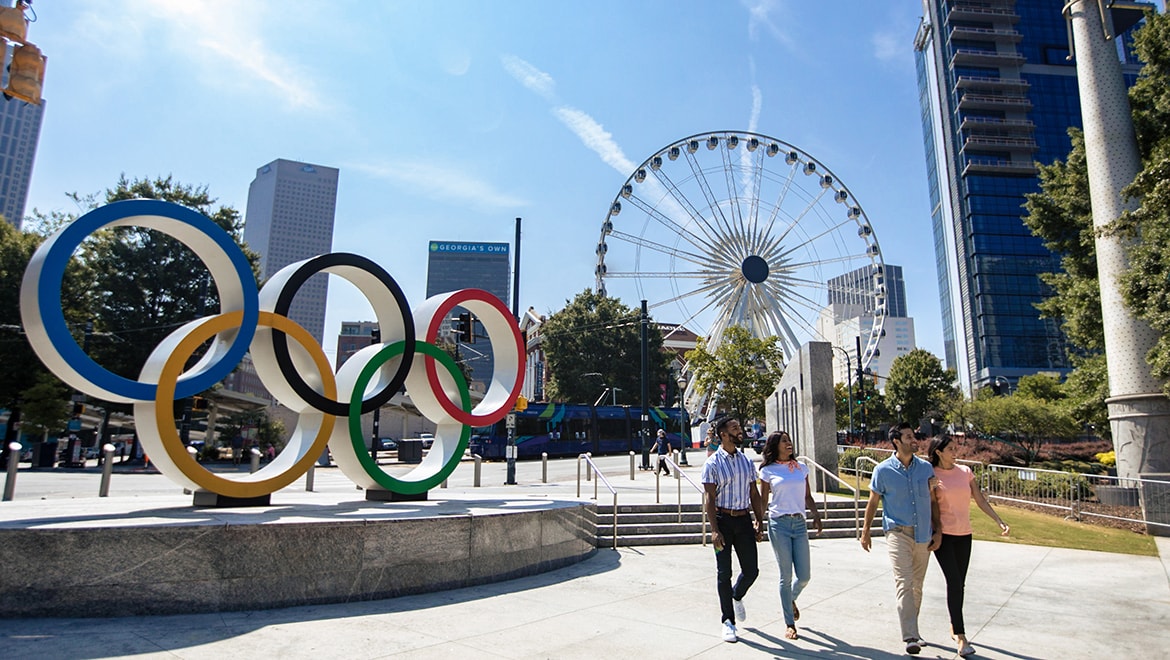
{"x":848,"y":459}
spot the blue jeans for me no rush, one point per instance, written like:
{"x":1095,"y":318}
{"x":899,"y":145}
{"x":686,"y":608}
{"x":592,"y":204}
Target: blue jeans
{"x":789,"y":538}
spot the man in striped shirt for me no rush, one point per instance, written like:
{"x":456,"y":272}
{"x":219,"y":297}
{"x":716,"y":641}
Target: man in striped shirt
{"x":731,"y":497}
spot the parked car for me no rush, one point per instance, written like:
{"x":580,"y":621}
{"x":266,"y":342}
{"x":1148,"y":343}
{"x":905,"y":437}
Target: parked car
{"x":758,"y":444}
{"x":387,"y":444}
{"x":428,"y":439}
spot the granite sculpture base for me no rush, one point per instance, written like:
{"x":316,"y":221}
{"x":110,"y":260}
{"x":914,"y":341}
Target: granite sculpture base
{"x":180,"y":559}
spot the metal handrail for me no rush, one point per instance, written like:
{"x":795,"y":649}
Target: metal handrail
{"x":679,"y":473}
{"x":808,"y":462}
{"x":600,"y":477}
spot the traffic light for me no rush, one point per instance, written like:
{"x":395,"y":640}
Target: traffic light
{"x":26,"y":69}
{"x":465,"y":327}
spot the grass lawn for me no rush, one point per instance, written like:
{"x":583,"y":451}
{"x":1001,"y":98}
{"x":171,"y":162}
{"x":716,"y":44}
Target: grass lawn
{"x":1049,"y":530}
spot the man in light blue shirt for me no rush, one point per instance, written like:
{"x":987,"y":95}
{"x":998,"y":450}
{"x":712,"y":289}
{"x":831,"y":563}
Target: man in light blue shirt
{"x":902,"y":484}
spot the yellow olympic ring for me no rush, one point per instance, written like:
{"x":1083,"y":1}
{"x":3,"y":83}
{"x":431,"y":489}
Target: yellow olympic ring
{"x":158,"y":428}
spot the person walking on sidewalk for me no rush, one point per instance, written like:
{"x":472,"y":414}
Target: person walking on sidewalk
{"x":786,"y":481}
{"x":662,"y":445}
{"x":954,"y":489}
{"x":731,"y":499}
{"x":902,"y":485}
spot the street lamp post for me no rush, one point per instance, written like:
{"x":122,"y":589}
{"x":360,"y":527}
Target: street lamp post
{"x":375,"y":338}
{"x":849,"y":385}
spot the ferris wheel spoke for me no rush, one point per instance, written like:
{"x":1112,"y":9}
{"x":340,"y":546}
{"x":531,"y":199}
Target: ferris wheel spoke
{"x":847,"y":258}
{"x":781,"y":197}
{"x":697,"y":259}
{"x":670,"y":223}
{"x":732,"y":189}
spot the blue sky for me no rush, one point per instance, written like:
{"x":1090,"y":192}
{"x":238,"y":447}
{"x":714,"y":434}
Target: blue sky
{"x":449,"y":119}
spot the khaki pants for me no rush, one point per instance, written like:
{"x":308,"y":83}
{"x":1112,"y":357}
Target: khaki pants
{"x":909,"y":561}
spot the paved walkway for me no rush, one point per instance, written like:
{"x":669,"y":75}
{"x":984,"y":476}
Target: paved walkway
{"x":648,"y":602}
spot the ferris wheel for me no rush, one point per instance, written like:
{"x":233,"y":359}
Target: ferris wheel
{"x":733,"y":228}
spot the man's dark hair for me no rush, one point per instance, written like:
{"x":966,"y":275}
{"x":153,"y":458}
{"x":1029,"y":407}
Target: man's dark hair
{"x":720,"y":423}
{"x":895,"y":432}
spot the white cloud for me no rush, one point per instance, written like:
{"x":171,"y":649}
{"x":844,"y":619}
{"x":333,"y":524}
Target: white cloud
{"x":760,"y":16}
{"x":890,"y":47}
{"x":586,"y":128}
{"x":531,"y":77}
{"x":440,"y":183}
{"x":225,"y":44}
{"x":594,"y":136}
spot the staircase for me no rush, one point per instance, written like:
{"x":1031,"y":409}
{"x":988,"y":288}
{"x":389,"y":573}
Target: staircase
{"x":658,"y":524}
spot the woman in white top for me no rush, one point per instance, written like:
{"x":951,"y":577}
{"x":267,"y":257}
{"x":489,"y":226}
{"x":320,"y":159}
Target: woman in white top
{"x":784,"y":483}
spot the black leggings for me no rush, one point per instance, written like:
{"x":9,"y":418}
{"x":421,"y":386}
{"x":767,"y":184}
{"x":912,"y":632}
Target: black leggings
{"x":953,"y":555}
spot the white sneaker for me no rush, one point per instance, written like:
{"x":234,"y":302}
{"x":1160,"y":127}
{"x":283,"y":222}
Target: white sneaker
{"x":729,"y":633}
{"x":740,"y":612}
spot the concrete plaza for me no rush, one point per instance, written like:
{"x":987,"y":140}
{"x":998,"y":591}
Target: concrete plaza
{"x":651,"y":602}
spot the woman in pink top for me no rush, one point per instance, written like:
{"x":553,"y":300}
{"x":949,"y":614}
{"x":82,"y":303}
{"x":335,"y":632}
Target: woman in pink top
{"x":954,"y":488}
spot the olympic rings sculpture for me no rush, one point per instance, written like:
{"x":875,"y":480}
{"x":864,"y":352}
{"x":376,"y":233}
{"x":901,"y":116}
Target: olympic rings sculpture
{"x":297,"y":373}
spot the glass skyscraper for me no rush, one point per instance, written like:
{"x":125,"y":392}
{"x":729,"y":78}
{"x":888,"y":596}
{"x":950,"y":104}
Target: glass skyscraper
{"x":456,"y":265}
{"x":998,"y":94}
{"x":20,"y":130}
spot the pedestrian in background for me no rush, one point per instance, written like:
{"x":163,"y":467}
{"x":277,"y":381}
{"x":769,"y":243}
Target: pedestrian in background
{"x":731,"y":498}
{"x":784,"y":485}
{"x":662,"y":447}
{"x":954,"y":489}
{"x":902,"y":485}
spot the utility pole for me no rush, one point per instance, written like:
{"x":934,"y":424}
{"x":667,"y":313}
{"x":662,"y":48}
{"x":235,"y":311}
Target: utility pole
{"x":645,"y":430}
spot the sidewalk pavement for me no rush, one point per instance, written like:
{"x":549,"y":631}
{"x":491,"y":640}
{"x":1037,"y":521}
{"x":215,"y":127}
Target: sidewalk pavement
{"x":649,"y":602}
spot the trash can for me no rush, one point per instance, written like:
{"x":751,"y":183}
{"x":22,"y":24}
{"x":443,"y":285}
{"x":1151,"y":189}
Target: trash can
{"x":410,"y":451}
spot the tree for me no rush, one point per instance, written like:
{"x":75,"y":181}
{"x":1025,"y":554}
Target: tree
{"x":841,"y":398}
{"x":598,"y":335}
{"x":919,"y":384}
{"x":1040,"y":387}
{"x":1021,"y":421}
{"x":150,"y":283}
{"x":741,"y":373}
{"x":46,"y":406}
{"x":22,"y":367}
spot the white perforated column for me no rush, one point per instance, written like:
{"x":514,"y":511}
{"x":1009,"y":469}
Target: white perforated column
{"x":1139,"y":413}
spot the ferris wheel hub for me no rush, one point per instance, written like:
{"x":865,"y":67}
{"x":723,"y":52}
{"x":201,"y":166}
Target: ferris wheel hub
{"x":755,"y":269}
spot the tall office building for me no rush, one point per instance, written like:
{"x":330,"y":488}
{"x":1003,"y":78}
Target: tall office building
{"x":290,"y":218}
{"x":20,"y":129}
{"x":850,"y":314}
{"x":454,"y":265}
{"x":857,"y":288}
{"x":998,"y":94}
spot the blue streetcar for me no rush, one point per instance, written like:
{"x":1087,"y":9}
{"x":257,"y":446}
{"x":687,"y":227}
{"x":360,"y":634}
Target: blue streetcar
{"x":566,"y":429}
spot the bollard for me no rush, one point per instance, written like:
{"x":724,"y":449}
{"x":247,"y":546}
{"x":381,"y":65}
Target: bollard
{"x":478,"y":464}
{"x":107,"y":469}
{"x":255,"y":460}
{"x":309,"y":478}
{"x":13,"y":464}
{"x":192,"y":451}
{"x":544,"y":467}
{"x":633,"y":458}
